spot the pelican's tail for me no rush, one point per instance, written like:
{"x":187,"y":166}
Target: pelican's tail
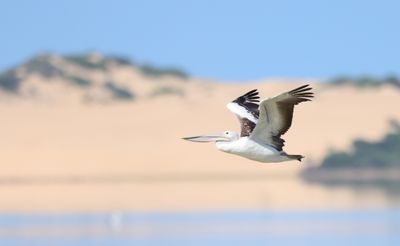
{"x":295,"y":157}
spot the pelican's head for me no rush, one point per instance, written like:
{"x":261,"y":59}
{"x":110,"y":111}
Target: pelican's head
{"x":227,"y":136}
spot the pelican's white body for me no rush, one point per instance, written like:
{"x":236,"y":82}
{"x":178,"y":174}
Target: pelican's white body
{"x":253,"y":150}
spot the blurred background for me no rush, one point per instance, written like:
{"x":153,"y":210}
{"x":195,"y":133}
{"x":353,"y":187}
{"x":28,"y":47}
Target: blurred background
{"x":96,"y":95}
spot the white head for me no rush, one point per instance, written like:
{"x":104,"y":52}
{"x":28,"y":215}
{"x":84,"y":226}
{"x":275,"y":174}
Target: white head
{"x":227,"y":136}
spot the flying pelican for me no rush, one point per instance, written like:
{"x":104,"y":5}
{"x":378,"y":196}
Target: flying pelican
{"x":262,"y":126}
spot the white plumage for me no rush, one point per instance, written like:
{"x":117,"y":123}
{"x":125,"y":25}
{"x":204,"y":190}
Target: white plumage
{"x":241,"y":111}
{"x":252,"y":150}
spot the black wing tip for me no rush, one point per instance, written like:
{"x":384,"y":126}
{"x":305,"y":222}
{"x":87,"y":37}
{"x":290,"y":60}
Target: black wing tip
{"x":301,"y":88}
{"x":251,"y":96}
{"x":252,"y":91}
{"x":304,"y":92}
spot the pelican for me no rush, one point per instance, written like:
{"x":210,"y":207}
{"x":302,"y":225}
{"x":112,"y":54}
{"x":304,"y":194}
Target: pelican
{"x":262,"y":125}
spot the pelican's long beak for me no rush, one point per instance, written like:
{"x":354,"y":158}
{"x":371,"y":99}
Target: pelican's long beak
{"x":207,"y":138}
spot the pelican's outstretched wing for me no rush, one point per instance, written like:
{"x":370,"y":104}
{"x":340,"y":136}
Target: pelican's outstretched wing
{"x":246,"y":109}
{"x":276,"y":116}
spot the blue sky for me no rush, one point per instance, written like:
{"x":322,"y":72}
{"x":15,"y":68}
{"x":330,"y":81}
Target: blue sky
{"x":225,"y":39}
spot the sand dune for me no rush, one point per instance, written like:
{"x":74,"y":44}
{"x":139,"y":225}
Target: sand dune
{"x":74,"y":146}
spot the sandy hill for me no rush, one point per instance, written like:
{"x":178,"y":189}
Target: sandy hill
{"x":89,"y":78}
{"x":113,"y":140}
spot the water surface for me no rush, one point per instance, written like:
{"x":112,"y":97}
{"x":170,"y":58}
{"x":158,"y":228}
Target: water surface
{"x":354,"y":227}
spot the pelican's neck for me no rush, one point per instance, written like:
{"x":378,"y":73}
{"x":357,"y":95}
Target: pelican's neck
{"x":227,"y":146}
{"x":223,"y":145}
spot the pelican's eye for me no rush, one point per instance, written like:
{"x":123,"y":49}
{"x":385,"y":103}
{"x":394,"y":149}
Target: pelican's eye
{"x":226,"y":133}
